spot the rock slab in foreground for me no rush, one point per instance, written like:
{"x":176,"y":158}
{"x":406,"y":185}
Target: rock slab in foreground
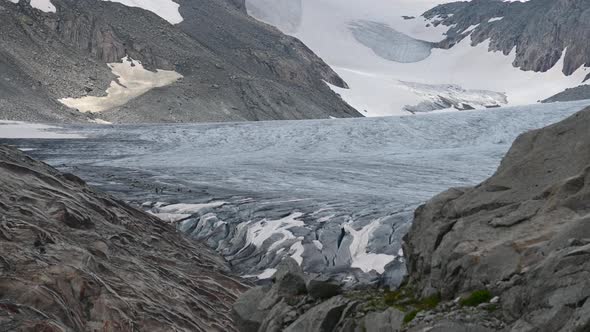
{"x":523,"y":234}
{"x":73,"y":259}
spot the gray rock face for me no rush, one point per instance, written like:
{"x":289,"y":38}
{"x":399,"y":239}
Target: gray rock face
{"x":272,"y":307}
{"x":390,"y":320}
{"x":540,"y":30}
{"x":523,"y":234}
{"x":234,"y":68}
{"x":74,"y":259}
{"x":323,"y":287}
{"x":323,"y":317}
{"x":578,"y":93}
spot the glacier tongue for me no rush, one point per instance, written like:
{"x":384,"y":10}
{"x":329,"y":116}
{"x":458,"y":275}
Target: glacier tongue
{"x":336,"y":195}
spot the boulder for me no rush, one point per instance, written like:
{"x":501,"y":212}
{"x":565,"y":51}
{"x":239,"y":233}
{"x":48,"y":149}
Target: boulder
{"x":323,"y":287}
{"x":321,"y":318}
{"x":390,"y":320}
{"x":289,"y":279}
{"x":248,"y":311}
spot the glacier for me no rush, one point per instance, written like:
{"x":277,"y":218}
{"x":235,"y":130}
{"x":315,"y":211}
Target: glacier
{"x":388,"y":42}
{"x":336,"y":195}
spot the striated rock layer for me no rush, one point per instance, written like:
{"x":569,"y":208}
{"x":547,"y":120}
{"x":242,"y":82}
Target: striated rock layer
{"x":524,"y":234}
{"x":74,"y":259}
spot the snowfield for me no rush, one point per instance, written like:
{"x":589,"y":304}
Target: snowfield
{"x":133,"y":80}
{"x":336,"y":195}
{"x":19,"y":130}
{"x":166,"y":9}
{"x":376,"y":45}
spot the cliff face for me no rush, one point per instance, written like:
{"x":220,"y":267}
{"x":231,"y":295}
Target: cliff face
{"x":234,"y":68}
{"x":539,"y":31}
{"x":524,"y":234}
{"x":73,"y":259}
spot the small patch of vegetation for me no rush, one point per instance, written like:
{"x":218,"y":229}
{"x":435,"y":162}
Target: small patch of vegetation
{"x":476,"y":298}
{"x":410,"y":316}
{"x":404,"y":300}
{"x":491,"y":308}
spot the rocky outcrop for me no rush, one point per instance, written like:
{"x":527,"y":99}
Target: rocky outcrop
{"x":539,"y":30}
{"x":581,"y":92}
{"x":74,"y":259}
{"x":289,"y":305}
{"x":234,"y":68}
{"x":524,"y":234}
{"x":510,"y":254}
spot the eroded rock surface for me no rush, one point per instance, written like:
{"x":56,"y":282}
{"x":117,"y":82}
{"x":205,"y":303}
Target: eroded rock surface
{"x":540,"y":31}
{"x":523,"y":234}
{"x":234,"y":68}
{"x":74,"y":259}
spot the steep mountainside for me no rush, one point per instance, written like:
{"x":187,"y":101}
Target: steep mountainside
{"x":74,"y":259}
{"x":524,"y":234}
{"x":213,"y":64}
{"x":539,"y":31}
{"x":423,"y":55}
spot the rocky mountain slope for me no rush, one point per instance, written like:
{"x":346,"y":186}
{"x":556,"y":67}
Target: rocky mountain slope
{"x":74,"y":259}
{"x":510,"y":254}
{"x":418,"y":56}
{"x":225,"y":66}
{"x":523,"y":234}
{"x":539,"y":31}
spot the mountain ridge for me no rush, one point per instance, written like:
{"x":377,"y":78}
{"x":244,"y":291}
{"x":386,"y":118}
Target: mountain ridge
{"x":241,"y":71}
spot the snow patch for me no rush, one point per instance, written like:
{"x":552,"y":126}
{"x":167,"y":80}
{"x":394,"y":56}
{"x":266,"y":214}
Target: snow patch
{"x":100,"y":121}
{"x":260,"y":231}
{"x":189,"y":208}
{"x":358,"y":250}
{"x":16,"y":129}
{"x":166,"y":9}
{"x":494,"y":19}
{"x":296,"y":251}
{"x":318,"y":244}
{"x":178,"y":212}
{"x":266,"y":274}
{"x":133,"y":81}
{"x":469,"y":29}
{"x":43,"y":5}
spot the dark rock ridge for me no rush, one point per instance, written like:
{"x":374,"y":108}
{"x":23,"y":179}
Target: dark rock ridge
{"x":235,"y":68}
{"x":581,"y":92}
{"x":540,"y":30}
{"x":524,"y":234}
{"x":74,"y":259}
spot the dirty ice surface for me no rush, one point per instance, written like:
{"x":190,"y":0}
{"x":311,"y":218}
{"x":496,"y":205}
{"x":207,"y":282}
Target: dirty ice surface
{"x":336,"y":195}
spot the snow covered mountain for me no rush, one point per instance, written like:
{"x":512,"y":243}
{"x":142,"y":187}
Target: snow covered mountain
{"x":404,"y":56}
{"x":155,"y":61}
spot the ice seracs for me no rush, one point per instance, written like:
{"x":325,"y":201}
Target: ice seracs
{"x":358,"y":249}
